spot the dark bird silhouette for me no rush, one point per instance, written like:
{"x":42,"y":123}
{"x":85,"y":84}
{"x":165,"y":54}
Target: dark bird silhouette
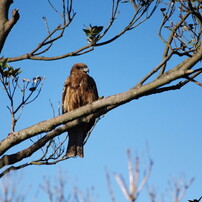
{"x":79,"y":89}
{"x":195,"y":200}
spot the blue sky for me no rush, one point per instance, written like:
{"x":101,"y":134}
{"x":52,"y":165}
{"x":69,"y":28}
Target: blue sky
{"x":169,"y":123}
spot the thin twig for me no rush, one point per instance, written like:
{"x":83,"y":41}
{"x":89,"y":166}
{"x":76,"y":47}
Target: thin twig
{"x":109,"y":185}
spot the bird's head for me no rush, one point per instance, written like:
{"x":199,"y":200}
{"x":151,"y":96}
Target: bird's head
{"x":80,"y":67}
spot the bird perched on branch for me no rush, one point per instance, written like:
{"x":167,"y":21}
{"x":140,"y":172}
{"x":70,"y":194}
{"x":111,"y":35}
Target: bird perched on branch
{"x":79,"y":89}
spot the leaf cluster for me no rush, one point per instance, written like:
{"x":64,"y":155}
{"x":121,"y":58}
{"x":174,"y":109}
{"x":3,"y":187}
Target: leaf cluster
{"x":92,"y":33}
{"x":7,"y":71}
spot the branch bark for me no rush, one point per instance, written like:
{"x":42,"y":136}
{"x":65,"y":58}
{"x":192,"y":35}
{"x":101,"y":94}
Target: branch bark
{"x":97,"y":108}
{"x":51,"y":128}
{"x":6,"y":24}
{"x":141,"y":14}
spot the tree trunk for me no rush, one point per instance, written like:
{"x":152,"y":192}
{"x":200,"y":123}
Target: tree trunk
{"x":5,"y":23}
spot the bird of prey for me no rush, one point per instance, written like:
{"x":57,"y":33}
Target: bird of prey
{"x":79,"y":89}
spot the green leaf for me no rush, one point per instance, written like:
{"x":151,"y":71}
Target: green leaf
{"x":87,"y":32}
{"x":4,"y":63}
{"x":96,"y":30}
{"x":93,"y":30}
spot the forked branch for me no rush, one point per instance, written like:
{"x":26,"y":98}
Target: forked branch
{"x":141,"y":14}
{"x":132,"y":192}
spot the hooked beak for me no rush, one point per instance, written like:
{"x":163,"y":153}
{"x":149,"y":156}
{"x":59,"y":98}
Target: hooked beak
{"x":86,"y":69}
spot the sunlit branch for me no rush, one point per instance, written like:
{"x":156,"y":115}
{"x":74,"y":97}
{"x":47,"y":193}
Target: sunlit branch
{"x":155,"y":69}
{"x":180,"y":188}
{"x":80,"y":51}
{"x":97,"y":108}
{"x":13,"y":168}
{"x":114,"y":14}
{"x":48,"y":39}
{"x":131,"y":25}
{"x":34,"y":55}
{"x":170,"y":39}
{"x":177,"y":43}
{"x":133,"y":190}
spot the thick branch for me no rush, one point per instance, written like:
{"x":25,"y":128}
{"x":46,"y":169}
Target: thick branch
{"x":4,"y":7}
{"x":13,"y":158}
{"x":5,"y":24}
{"x":97,"y":108}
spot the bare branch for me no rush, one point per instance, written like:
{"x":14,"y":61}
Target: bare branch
{"x":135,"y":188}
{"x":11,"y":188}
{"x":179,"y":188}
{"x":111,"y":193}
{"x":152,"y":194}
{"x":121,"y":182}
{"x":185,"y":35}
{"x":177,"y":44}
{"x":133,"y":23}
{"x":97,"y":108}
{"x":13,"y":168}
{"x":9,"y":77}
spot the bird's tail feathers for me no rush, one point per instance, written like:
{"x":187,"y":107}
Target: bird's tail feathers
{"x":75,"y":144}
{"x":74,"y":150}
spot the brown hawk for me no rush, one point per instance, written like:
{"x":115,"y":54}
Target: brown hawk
{"x":79,"y":89}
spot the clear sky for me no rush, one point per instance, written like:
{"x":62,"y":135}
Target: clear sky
{"x":169,"y":123}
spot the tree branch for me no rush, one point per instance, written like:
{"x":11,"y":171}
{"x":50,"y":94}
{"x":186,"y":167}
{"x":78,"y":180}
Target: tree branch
{"x":6,"y":24}
{"x":13,"y":168}
{"x":133,"y":23}
{"x":97,"y":108}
